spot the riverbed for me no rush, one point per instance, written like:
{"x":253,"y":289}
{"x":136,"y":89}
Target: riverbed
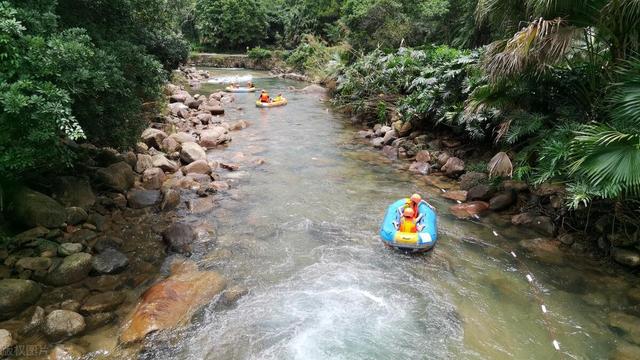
{"x":300,"y":233}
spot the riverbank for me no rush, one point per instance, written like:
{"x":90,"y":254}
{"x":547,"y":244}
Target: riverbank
{"x":100,"y":236}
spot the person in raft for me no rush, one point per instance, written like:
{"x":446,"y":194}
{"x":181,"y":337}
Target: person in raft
{"x":264,"y":97}
{"x":413,"y":203}
{"x":250,"y":85}
{"x":408,"y":221}
{"x":278,"y":98}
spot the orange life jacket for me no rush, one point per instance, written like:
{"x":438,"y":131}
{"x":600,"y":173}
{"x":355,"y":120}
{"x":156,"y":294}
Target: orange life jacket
{"x":264,"y":98}
{"x":408,"y":225}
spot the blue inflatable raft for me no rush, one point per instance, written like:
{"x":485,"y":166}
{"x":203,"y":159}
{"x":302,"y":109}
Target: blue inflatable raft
{"x":423,"y":240}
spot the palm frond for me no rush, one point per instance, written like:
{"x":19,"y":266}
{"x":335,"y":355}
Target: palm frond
{"x":500,"y":165}
{"x":624,"y":101}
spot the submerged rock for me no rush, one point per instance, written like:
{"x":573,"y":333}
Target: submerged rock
{"x":66,"y":352}
{"x":102,"y":302}
{"x":172,"y":301}
{"x":179,"y":238}
{"x":74,"y":268}
{"x":457,"y":195}
{"x":62,"y":324}
{"x":629,"y":324}
{"x":109,"y":261}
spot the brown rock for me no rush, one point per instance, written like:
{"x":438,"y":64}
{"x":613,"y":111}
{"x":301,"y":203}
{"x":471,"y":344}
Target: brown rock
{"x":239,"y":125}
{"x":229,"y":166}
{"x":502,"y":201}
{"x":480,"y":192}
{"x":200,"y":205}
{"x":457,"y":195}
{"x":197,"y":167}
{"x":170,"y":145}
{"x":102,"y":302}
{"x":467,"y":210}
{"x":152,"y":179}
{"x":453,"y":168}
{"x":170,"y":199}
{"x":153,"y":137}
{"x":420,"y":168}
{"x":423,"y":156}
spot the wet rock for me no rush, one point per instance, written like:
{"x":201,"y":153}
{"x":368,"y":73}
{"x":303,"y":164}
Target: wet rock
{"x":200,"y":206}
{"x":140,"y":199}
{"x":32,"y":208}
{"x":76,"y":215}
{"x":62,"y":324}
{"x":6,"y":342}
{"x":546,"y":250}
{"x":109,"y":261}
{"x":467,"y":210}
{"x":170,"y":145}
{"x":238,"y":125}
{"x":82,"y":236}
{"x":625,"y":351}
{"x":102,"y":302}
{"x":233,"y":294}
{"x":480,"y":192}
{"x":33,"y":263}
{"x":626,"y":257}
{"x":471,"y":179}
{"x":377,"y":143}
{"x":629,"y":324}
{"x":230,"y":166}
{"x":390,"y":152}
{"x":153,"y":178}
{"x":457,"y":195}
{"x":172,"y":300}
{"x":66,"y":352}
{"x":170,"y":199}
{"x":423,"y":156}
{"x":35,"y":321}
{"x":197,"y":167}
{"x":16,"y":295}
{"x":72,"y":269}
{"x":542,"y":224}
{"x":71,"y":305}
{"x":73,"y":191}
{"x":389,"y":137}
{"x":96,"y":321}
{"x":192,"y":152}
{"x":440,"y":182}
{"x":144,"y":162}
{"x":105,"y":282}
{"x":420,"y":168}
{"x":502,"y":201}
{"x":364,"y":134}
{"x":211,"y":138}
{"x":160,"y":161}
{"x":179,"y":238}
{"x":118,"y":177}
{"x":453,"y":168}
{"x":153,"y":137}
{"x":442,"y":158}
{"x":99,"y":221}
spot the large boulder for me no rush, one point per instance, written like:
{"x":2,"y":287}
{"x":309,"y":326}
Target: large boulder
{"x":470,"y":209}
{"x":109,"y":261}
{"x":170,"y":145}
{"x":153,"y":137}
{"x":197,"y":167}
{"x":180,"y":96}
{"x":144,"y":162}
{"x":456,"y":195}
{"x":192,"y":152}
{"x":453,"y":168}
{"x":62,"y":324}
{"x":629,"y":324}
{"x":471,"y":179}
{"x":541,"y":224}
{"x":502,"y":201}
{"x":213,"y":137}
{"x":170,"y":199}
{"x":32,"y":208}
{"x":480,"y":192}
{"x":153,"y":178}
{"x":140,"y":199}
{"x":160,"y":161}
{"x":73,"y":191}
{"x":76,"y":215}
{"x":179,"y":238}
{"x":118,"y":177}
{"x":17,"y":295}
{"x":166,"y":304}
{"x":389,"y":137}
{"x":420,"y":167}
{"x":33,"y":264}
{"x":73,"y":268}
{"x":183,"y":137}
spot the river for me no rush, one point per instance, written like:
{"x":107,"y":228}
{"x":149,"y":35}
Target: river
{"x":300,"y":232}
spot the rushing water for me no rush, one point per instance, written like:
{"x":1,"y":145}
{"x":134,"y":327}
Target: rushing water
{"x":300,"y":232}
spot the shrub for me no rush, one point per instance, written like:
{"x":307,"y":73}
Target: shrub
{"x":259,"y":54}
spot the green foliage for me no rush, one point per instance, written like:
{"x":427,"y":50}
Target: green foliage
{"x":315,"y":58}
{"x":231,"y":24}
{"x":260,"y":54}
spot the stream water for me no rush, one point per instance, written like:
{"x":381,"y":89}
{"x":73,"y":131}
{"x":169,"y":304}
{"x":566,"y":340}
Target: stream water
{"x":300,"y":232}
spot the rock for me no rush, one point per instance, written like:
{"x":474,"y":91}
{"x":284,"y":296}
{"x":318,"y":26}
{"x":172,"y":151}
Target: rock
{"x":625,"y":351}
{"x":515,"y":185}
{"x":71,"y":305}
{"x":33,"y":263}
{"x":451,"y":143}
{"x":204,"y":119}
{"x":31,"y":234}
{"x":405,"y":129}
{"x":141,"y":148}
{"x":109,"y":261}
{"x":6,"y":342}
{"x":192,"y":152}
{"x":62,"y":324}
{"x":152,"y":179}
{"x":183,"y":137}
{"x":178,"y":109}
{"x":456,"y":195}
{"x":214,"y":137}
{"x":389,"y":137}
{"x":470,"y":209}
{"x":213,"y":109}
{"x":548,"y":189}
{"x":377,"y":143}
{"x":160,"y":161}
{"x":144,"y":162}
{"x":200,"y":206}
{"x":238,"y":125}
{"x":420,"y":168}
{"x":480,"y":192}
{"x":76,"y":215}
{"x":441,"y":182}
{"x":102,"y":302}
{"x":170,"y":199}
{"x":118,"y":177}
{"x":390,"y":152}
{"x":179,"y":238}
{"x":72,"y":269}
{"x":542,"y":224}
{"x":32,"y":208}
{"x":314,"y":89}
{"x":82,"y":236}
{"x":99,"y":221}
{"x":383,"y":130}
{"x":364,"y":134}
{"x":66,"y":352}
{"x":634,"y":295}
{"x":230,"y":166}
{"x":471,"y":179}
{"x":35,"y":322}
{"x":567,"y":239}
{"x":442,"y":158}
{"x":629,"y":324}
{"x":67,"y":249}
{"x":621,"y":239}
{"x":233,"y":294}
{"x":170,"y":145}
{"x":107,"y":242}
{"x":105,"y":282}
{"x":423,"y":156}
{"x":140,"y":199}
{"x":502,"y":201}
{"x":626,"y":257}
{"x":546,"y":250}
{"x":17,"y":295}
{"x":197,"y":167}
{"x":179,"y":96}
{"x":73,"y":192}
{"x":453,"y":168}
{"x":98,"y":320}
{"x":153,"y":137}
{"x":169,"y":302}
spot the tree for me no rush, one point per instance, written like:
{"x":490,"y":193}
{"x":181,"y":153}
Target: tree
{"x":231,"y":24}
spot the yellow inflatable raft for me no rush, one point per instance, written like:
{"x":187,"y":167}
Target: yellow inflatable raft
{"x":232,"y":89}
{"x":260,"y":104}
